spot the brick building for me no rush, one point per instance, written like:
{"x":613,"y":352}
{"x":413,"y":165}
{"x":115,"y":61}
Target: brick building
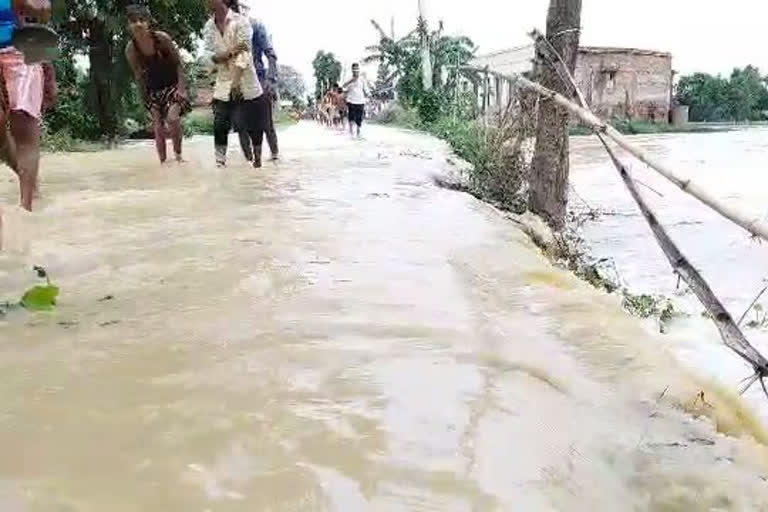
{"x":617,"y":82}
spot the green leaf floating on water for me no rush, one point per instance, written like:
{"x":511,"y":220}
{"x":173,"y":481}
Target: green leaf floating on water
{"x":40,"y":298}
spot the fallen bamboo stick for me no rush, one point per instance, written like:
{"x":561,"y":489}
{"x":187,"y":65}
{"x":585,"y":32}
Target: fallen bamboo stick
{"x":750,"y":223}
{"x":730,"y":331}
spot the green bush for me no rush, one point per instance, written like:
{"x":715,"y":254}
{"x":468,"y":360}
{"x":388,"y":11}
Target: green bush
{"x":494,"y":149}
{"x":63,"y":141}
{"x":198,"y":122}
{"x":285,"y":116}
{"x":499,"y":167}
{"x":395,"y":114}
{"x":465,"y":137}
{"x":72,"y":116}
{"x":635,"y":127}
{"x":430,"y":106}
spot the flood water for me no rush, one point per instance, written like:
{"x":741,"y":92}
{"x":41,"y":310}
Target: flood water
{"x":730,"y":164}
{"x":333,"y":333}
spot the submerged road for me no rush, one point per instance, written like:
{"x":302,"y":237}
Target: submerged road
{"x":332,"y":333}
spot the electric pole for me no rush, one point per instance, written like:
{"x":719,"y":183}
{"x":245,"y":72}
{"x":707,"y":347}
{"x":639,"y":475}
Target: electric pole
{"x":426,"y":60}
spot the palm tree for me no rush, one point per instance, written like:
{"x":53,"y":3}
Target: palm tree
{"x":400,"y":59}
{"x":451,"y":53}
{"x":391,"y":54}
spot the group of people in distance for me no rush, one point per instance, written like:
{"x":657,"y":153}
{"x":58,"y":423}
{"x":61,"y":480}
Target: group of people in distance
{"x":346,"y":103}
{"x":244,"y":90}
{"x":333,"y":107}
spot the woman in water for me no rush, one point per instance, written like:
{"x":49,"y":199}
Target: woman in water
{"x":157,"y":66}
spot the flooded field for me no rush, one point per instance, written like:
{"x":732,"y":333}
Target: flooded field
{"x":335,"y":333}
{"x":733,"y":165}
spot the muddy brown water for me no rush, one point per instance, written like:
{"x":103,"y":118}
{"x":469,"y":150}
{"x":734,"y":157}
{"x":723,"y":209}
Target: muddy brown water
{"x":333,"y":333}
{"x":732,"y":166}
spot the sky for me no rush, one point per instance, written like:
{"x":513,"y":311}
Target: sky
{"x":702,"y":35}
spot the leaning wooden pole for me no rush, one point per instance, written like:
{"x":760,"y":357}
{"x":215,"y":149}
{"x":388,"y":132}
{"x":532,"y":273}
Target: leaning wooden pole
{"x":730,"y":332}
{"x":749,"y":222}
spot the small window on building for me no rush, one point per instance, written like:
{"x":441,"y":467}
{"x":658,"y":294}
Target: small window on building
{"x":610,"y":83}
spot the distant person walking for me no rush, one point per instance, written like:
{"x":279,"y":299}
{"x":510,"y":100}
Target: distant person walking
{"x":341,"y":107}
{"x":227,"y":37}
{"x":157,"y":66}
{"x":357,"y":91}
{"x":261,"y":43}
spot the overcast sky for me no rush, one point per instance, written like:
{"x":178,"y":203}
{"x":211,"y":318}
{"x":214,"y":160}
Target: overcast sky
{"x":702,"y":35}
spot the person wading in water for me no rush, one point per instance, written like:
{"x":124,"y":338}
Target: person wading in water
{"x":27,"y":87}
{"x":227,"y":37}
{"x":157,"y":66}
{"x":261,"y":44}
{"x":357,"y":91}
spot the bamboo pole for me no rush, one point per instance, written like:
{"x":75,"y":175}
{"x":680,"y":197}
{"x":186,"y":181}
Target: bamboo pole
{"x":730,"y":332}
{"x":750,"y":223}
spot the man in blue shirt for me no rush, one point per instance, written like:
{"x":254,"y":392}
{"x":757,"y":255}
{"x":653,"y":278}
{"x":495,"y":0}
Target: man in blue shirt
{"x":262,"y":47}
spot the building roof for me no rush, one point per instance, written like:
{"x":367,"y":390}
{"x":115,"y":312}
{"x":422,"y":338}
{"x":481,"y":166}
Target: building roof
{"x":514,"y":49}
{"x":510,"y":61}
{"x":630,"y":51}
{"x":520,"y":58}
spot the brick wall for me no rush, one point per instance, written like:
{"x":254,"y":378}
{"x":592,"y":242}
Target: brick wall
{"x":626,"y":83}
{"x":617,"y":82}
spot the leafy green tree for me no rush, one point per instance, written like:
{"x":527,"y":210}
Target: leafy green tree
{"x":290,"y":84}
{"x":706,"y":95}
{"x":71,"y":114}
{"x":451,"y":53}
{"x":747,"y":92}
{"x":327,"y":72}
{"x":741,"y":97}
{"x":400,"y":63}
{"x":384,"y":88}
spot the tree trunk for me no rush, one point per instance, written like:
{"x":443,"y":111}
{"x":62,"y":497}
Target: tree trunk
{"x":100,"y":57}
{"x":549,"y":178}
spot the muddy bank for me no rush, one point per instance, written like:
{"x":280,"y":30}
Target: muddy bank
{"x":334,"y":333}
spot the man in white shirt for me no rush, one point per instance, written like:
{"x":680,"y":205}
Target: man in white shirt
{"x":227,"y":38}
{"x":356,"y":90}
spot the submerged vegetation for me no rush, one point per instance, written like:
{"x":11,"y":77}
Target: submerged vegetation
{"x":42,"y":297}
{"x":635,"y":127}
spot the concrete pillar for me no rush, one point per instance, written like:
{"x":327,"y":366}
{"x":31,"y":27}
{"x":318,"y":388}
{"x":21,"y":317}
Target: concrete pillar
{"x":680,"y":115}
{"x":499,"y":92}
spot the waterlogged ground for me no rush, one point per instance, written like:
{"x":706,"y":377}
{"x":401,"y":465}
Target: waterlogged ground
{"x":334,"y":333}
{"x":733,"y":166}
